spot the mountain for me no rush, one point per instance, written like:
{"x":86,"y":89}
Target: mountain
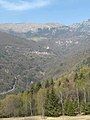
{"x":33,"y":52}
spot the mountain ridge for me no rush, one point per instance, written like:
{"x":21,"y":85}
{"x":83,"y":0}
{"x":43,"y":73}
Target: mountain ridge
{"x":36,"y":25}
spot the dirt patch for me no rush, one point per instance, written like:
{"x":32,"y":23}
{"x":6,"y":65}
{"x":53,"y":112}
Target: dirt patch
{"x":50,"y":118}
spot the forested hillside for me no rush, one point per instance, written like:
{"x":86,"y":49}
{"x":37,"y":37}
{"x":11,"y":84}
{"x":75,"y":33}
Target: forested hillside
{"x":44,"y":69}
{"x":68,"y":95}
{"x":36,"y":52}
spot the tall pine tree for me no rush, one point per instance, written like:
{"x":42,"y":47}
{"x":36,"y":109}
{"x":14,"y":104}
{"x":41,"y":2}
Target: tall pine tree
{"x":52,"y":106}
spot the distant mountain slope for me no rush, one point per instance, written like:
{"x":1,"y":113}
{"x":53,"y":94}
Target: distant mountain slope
{"x":29,"y":53}
{"x":48,"y":30}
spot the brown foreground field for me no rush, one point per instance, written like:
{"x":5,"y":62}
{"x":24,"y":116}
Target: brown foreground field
{"x":50,"y":118}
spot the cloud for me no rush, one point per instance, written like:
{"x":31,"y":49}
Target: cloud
{"x":23,"y":4}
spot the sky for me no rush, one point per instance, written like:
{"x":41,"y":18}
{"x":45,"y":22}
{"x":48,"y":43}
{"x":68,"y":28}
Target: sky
{"x":44,"y":11}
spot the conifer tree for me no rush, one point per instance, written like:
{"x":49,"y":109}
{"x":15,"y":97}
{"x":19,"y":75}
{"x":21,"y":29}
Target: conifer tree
{"x":52,"y":106}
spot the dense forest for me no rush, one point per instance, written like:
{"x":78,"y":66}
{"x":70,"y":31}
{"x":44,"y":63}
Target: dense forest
{"x":68,"y":95}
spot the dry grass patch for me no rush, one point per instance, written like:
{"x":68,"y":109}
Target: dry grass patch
{"x":50,"y":118}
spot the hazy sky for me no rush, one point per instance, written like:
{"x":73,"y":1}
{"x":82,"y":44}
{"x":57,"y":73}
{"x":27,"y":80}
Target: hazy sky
{"x":44,"y":11}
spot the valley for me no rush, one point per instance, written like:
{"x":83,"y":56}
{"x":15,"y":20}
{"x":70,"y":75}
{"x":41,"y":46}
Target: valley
{"x":58,"y":50}
{"x":45,"y":70}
